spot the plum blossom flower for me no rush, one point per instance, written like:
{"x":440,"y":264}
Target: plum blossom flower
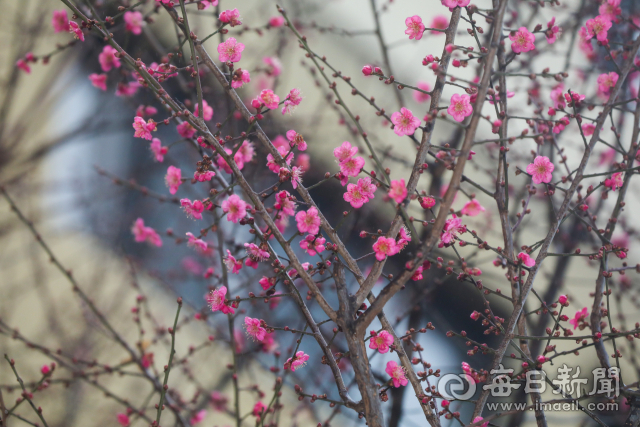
{"x":173,"y":179}
{"x":240,"y":77}
{"x":415,"y":27}
{"x":472,"y":208}
{"x":541,"y":170}
{"x":258,"y":409}
{"x":396,"y":372}
{"x":477,"y":419}
{"x":203,"y":176}
{"x":451,"y":229}
{"x":75,"y":29}
{"x":607,"y":81}
{"x":313,"y":245}
{"x":231,"y":17}
{"x":194,"y":242}
{"x":99,"y":81}
{"x":360,"y":193}
{"x":254,"y":328}
{"x":296,"y":139}
{"x":557,"y":97}
{"x":614,"y":182}
{"x":598,"y":26}
{"x":60,"y":21}
{"x":385,"y":246}
{"x":553,"y":31}
{"x":141,"y":233}
{"x":235,"y":208}
{"x":276,"y":21}
{"x":207,"y":111}
{"x":206,"y":3}
{"x":274,"y":65}
{"x":198,"y":417}
{"x":133,"y":22}
{"x":421,"y":96}
{"x":232,"y":264}
{"x":579,"y":317}
{"x":352,"y":166}
{"x":427,"y":202}
{"x":285,"y":203}
{"x":123,"y":420}
{"x":381,"y":341}
{"x":405,"y":123}
{"x":217,"y":301}
{"x":108,"y":59}
{"x":398,"y":191}
{"x":293,"y":99}
{"x":309,"y":221}
{"x":256,"y":254}
{"x":230,"y":50}
{"x":192,"y":209}
{"x":526,"y":259}
{"x":269,"y":99}
{"x":344,"y":152}
{"x":439,"y":22}
{"x":610,"y":9}
{"x":588,"y":129}
{"x":460,"y":107}
{"x":522,"y":40}
{"x":143,"y":129}
{"x":295,"y":363}
{"x":185,"y":130}
{"x":455,"y":3}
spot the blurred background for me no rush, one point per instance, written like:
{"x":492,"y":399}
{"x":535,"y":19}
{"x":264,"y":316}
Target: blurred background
{"x":69,"y":161}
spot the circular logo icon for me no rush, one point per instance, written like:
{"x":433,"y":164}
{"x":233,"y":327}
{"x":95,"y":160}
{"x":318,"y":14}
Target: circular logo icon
{"x":456,"y":386}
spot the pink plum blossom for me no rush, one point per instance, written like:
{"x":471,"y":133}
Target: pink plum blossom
{"x":351,"y":166}
{"x":143,"y":129}
{"x":360,"y":193}
{"x":522,"y":40}
{"x":296,"y":140}
{"x":274,"y":65}
{"x":299,"y":361}
{"x":396,"y":372}
{"x":614,"y":182}
{"x":232,"y":264}
{"x":185,"y":130}
{"x":158,"y":150}
{"x":313,"y":245}
{"x":398,"y":191}
{"x":440,"y":22}
{"x":133,"y":22}
{"x":381,"y":341}
{"x":455,"y":3}
{"x":269,"y":99}
{"x":293,"y":99}
{"x":231,"y":17}
{"x":254,"y":328}
{"x":99,"y":81}
{"x":123,"y":420}
{"x":309,"y":221}
{"x":598,"y":26}
{"x":344,"y":152}
{"x":240,"y":77}
{"x":526,"y":259}
{"x":60,"y":21}
{"x":230,"y":50}
{"x":173,"y":179}
{"x":579,"y":317}
{"x":203,"y":176}
{"x":108,"y":59}
{"x":405,"y":123}
{"x":192,"y":209}
{"x":385,"y":246}
{"x":207,"y":112}
{"x":75,"y":29}
{"x":472,"y":208}
{"x":451,"y":229}
{"x":421,"y":96}
{"x":235,"y":208}
{"x":460,"y":107}
{"x":607,"y":81}
{"x":276,"y":21}
{"x":415,"y":27}
{"x":194,"y":242}
{"x":141,"y":233}
{"x":217,"y":301}
{"x":541,"y":170}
